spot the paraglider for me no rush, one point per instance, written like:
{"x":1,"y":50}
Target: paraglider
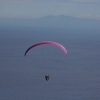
{"x":47,"y":42}
{"x":47,"y":77}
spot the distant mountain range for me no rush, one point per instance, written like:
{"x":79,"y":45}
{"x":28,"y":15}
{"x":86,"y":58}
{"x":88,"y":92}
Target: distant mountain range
{"x":51,"y":21}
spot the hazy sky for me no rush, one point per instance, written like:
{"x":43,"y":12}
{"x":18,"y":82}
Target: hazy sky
{"x":40,"y":8}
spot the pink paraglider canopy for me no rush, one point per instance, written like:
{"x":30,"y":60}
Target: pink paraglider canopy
{"x":46,"y":42}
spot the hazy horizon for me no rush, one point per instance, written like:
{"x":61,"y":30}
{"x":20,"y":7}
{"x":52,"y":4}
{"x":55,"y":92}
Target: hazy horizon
{"x":60,"y":21}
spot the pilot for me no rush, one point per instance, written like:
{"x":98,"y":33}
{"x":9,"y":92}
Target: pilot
{"x":47,"y":77}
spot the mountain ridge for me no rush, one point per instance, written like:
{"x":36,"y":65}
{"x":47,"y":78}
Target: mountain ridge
{"x":51,"y":21}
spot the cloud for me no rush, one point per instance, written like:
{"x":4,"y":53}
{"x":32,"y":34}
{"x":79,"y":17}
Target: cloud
{"x":90,"y":16}
{"x":85,"y":16}
{"x":97,"y":16}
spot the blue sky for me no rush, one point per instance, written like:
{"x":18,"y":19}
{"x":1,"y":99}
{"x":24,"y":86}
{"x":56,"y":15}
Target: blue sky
{"x":40,"y":8}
